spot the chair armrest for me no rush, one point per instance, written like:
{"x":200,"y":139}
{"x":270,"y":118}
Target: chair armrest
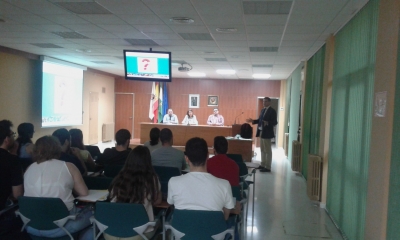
{"x":61,"y":222}
{"x":178,"y":235}
{"x":221,"y":236}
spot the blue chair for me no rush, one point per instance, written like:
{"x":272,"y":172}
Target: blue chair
{"x":164,"y":175}
{"x":97,"y":183}
{"x":44,"y":214}
{"x":198,"y":224}
{"x":111,"y":170}
{"x":121,"y":219}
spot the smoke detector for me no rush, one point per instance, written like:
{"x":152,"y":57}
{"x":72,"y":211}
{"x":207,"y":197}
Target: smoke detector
{"x":183,"y":68}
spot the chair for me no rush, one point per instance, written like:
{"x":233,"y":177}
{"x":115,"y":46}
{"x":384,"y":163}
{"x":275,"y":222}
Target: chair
{"x":198,"y":224}
{"x":164,"y":174}
{"x":112,"y":170}
{"x":94,"y":151}
{"x":97,"y":183}
{"x":44,"y":214}
{"x":121,"y":219}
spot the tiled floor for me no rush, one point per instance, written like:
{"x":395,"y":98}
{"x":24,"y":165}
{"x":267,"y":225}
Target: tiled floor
{"x":282,"y":209}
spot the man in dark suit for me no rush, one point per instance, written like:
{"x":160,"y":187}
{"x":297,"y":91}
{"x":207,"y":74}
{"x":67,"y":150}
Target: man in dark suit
{"x":265,"y":131}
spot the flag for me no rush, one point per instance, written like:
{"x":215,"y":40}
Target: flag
{"x":165,"y":99}
{"x":151,"y":110}
{"x":160,"y":104}
{"x":155,"y":102}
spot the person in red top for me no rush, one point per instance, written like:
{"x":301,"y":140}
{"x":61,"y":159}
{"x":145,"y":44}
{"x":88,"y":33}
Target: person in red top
{"x":220,"y":165}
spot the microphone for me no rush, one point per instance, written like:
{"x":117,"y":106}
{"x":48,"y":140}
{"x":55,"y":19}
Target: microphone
{"x":238,"y":116}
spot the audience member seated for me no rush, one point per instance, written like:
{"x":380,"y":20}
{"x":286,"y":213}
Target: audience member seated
{"x":117,"y":155}
{"x":190,"y":119}
{"x":25,"y":134}
{"x":49,"y":177}
{"x":167,"y":155}
{"x":154,"y":142}
{"x":220,"y":165}
{"x":170,"y":117}
{"x":215,"y":119}
{"x":199,"y":190}
{"x":137,"y":183}
{"x":10,"y":174}
{"x":64,"y":137}
{"x":77,"y":142}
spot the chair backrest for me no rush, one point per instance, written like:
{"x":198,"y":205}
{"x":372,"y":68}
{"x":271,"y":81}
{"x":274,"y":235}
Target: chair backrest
{"x":164,"y":175}
{"x":198,"y":224}
{"x":94,"y":151}
{"x":112,"y":170}
{"x":121,"y":218}
{"x":97,"y":183}
{"x":236,"y":193}
{"x":246,"y":131}
{"x":239,"y":160}
{"x":42,"y":211}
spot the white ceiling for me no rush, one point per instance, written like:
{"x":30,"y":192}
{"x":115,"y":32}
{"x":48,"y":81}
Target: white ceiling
{"x":297,"y":29}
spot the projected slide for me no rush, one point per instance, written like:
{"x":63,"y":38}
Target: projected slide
{"x":61,"y":95}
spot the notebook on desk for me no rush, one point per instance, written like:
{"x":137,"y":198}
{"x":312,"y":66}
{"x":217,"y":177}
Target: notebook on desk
{"x":94,"y":196}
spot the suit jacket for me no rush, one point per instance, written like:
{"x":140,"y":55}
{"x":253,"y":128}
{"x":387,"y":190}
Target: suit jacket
{"x":270,"y":117}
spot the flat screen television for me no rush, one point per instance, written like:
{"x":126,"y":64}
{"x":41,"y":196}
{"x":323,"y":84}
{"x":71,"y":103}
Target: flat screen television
{"x":151,"y":66}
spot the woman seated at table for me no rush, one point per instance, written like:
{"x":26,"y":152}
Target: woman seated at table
{"x":49,"y":177}
{"x":137,"y":182}
{"x":190,"y":119}
{"x":154,"y":142}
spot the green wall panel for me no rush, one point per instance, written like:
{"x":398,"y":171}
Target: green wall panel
{"x":351,"y":117}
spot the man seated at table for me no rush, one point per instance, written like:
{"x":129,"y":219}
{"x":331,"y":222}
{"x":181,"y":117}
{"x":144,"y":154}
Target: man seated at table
{"x":168,"y":156}
{"x":170,"y":117}
{"x":220,"y":165}
{"x":199,"y":190}
{"x":215,"y":119}
{"x":118,"y":154}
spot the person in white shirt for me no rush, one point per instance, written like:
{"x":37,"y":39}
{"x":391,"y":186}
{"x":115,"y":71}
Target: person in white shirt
{"x":170,"y":117}
{"x":198,"y":189}
{"x":215,"y":119}
{"x":190,"y":119}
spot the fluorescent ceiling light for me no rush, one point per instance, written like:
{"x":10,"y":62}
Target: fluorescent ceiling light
{"x":261,"y":75}
{"x":226,"y":71}
{"x":196,"y":74}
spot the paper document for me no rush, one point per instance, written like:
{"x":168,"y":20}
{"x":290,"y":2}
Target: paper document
{"x":94,"y":195}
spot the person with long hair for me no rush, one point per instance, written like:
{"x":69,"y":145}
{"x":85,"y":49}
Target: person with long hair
{"x":77,"y":142}
{"x":49,"y":177}
{"x":25,"y":134}
{"x":190,"y":119}
{"x":154,"y":142}
{"x":137,"y":182}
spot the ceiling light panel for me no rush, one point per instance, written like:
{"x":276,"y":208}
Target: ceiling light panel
{"x":46,"y":45}
{"x":196,"y":36}
{"x":70,"y":35}
{"x":267,"y":7}
{"x":262,"y":65}
{"x":141,"y":42}
{"x":216,"y":59}
{"x":83,"y":7}
{"x":263,"y":49}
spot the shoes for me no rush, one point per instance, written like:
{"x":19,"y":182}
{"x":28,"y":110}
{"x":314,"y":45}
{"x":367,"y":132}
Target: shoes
{"x":265,"y":170}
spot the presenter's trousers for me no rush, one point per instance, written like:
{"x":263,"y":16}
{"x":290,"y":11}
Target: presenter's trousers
{"x":266,"y":152}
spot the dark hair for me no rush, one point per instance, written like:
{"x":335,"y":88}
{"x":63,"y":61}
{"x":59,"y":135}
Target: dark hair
{"x":268,"y":99}
{"x":6,"y":130}
{"x":46,"y":148}
{"x":220,"y":145}
{"x":187,"y":113}
{"x":25,"y":132}
{"x":77,"y":138}
{"x":154,"y":136}
{"x":197,"y":151}
{"x":122,"y":136}
{"x":137,"y":180}
{"x":165,"y":135}
{"x":62,"y":134}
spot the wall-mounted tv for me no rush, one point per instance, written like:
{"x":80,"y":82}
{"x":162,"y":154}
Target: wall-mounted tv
{"x":151,"y":66}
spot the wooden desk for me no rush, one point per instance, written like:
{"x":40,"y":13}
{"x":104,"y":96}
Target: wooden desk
{"x":243,"y":147}
{"x":182,"y":133}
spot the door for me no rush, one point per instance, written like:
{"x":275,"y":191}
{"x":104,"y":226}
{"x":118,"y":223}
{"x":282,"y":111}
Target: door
{"x":124,"y":112}
{"x":93,"y":117}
